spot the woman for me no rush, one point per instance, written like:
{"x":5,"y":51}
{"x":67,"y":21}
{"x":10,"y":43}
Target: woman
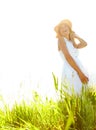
{"x":73,"y":70}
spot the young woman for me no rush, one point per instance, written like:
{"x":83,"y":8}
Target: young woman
{"x":73,"y":71}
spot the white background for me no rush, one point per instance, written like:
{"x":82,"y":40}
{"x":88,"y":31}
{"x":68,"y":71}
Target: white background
{"x":28,"y":47}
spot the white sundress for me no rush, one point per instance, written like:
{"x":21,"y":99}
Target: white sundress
{"x":69,"y":75}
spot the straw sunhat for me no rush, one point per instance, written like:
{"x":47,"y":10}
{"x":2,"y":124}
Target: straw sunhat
{"x":65,"y":21}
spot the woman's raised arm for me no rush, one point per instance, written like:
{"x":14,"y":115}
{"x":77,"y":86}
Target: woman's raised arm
{"x":82,"y":43}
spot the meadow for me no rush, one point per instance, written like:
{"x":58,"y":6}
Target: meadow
{"x":68,"y":112}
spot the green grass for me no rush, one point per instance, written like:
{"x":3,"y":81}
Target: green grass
{"x":69,"y":112}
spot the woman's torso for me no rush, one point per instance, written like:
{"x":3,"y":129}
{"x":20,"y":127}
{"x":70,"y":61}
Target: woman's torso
{"x":74,"y":52}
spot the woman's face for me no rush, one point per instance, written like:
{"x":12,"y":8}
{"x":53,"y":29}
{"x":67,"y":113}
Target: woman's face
{"x":64,"y":30}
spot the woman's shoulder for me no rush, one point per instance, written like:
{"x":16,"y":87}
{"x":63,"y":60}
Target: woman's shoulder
{"x":63,"y":39}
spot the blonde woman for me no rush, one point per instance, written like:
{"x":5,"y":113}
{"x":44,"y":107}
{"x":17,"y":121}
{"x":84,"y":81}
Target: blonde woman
{"x":73,"y":72}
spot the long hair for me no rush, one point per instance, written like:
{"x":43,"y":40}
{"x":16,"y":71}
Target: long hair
{"x":68,"y":23}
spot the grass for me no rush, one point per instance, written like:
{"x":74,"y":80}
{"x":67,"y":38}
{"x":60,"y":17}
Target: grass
{"x":69,"y":112}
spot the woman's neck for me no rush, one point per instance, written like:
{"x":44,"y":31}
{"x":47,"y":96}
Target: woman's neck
{"x":67,"y":37}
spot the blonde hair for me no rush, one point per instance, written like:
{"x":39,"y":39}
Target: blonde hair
{"x":57,"y":27}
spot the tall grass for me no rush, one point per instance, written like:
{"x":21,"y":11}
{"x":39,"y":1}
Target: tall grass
{"x":69,"y":112}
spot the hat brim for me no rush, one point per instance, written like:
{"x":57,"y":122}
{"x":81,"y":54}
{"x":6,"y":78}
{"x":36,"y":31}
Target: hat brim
{"x":67,"y":22}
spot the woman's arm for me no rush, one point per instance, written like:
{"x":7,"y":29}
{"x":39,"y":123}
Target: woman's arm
{"x":81,"y":43}
{"x":71,"y":61}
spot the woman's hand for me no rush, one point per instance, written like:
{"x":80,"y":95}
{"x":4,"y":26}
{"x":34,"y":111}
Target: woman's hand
{"x":81,"y":43}
{"x":74,"y":35}
{"x":84,"y":79}
{"x":72,"y":38}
